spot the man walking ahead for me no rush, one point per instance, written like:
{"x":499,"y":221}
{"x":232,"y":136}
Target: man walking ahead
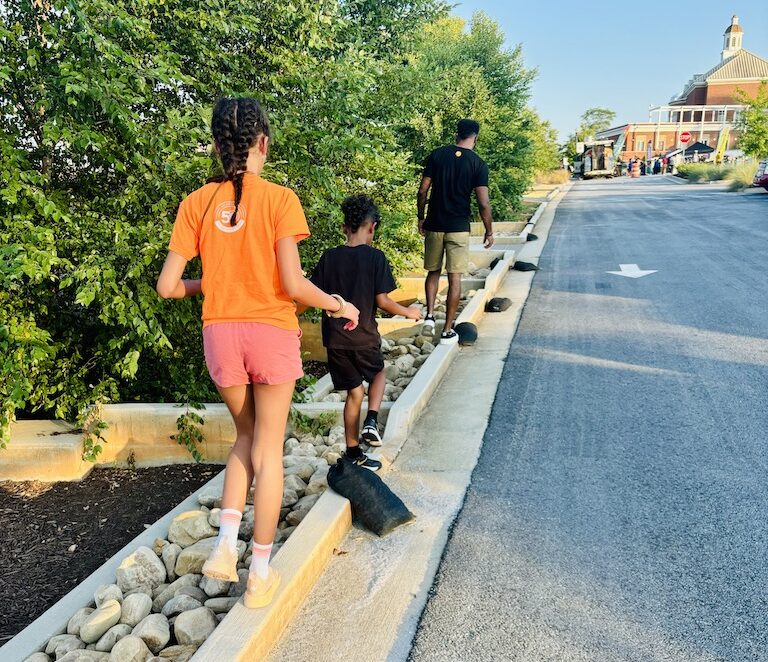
{"x":452,"y":172}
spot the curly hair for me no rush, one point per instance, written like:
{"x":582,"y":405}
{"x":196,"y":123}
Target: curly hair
{"x":357,"y":210}
{"x":466,"y":128}
{"x":236,"y":126}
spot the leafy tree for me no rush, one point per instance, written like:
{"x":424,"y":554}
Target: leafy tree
{"x":592,"y":121}
{"x":545,"y":149}
{"x":753,"y":122}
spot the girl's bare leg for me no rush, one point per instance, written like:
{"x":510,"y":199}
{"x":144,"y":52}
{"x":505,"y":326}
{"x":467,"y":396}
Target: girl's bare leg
{"x":239,"y":475}
{"x":271,"y":406}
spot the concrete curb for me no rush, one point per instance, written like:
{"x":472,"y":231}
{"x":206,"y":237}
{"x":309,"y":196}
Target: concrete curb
{"x":54,"y":621}
{"x":409,"y":405}
{"x":248,"y":634}
{"x":140,"y":431}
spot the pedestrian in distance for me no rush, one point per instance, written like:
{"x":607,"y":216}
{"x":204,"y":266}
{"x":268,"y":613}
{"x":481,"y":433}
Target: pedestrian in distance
{"x":362,"y":275}
{"x":245,"y":231}
{"x":451,"y":174}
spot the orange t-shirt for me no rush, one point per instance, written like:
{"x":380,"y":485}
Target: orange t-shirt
{"x":241,"y":282}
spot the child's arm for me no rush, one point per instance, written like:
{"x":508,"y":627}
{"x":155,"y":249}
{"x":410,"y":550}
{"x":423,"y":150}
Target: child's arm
{"x":170,"y":285}
{"x":389,"y":306}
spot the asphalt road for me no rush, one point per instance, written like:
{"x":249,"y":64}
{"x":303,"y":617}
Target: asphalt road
{"x":618,"y":509}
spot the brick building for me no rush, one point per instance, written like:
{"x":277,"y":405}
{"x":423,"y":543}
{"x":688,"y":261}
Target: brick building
{"x":707,"y":107}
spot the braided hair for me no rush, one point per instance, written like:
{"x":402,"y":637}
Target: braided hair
{"x":236,"y":126}
{"x":357,"y":210}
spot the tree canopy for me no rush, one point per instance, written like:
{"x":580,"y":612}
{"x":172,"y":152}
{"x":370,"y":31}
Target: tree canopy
{"x":753,"y":122}
{"x":592,"y":121}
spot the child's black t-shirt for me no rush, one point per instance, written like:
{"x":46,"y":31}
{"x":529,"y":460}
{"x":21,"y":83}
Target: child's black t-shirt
{"x":357,"y":273}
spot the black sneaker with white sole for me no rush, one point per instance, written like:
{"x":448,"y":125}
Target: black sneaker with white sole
{"x":428,"y":326}
{"x":370,"y":435}
{"x":449,"y":337}
{"x":366,"y":462}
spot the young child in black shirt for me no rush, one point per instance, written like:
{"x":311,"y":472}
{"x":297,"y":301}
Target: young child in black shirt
{"x":361,"y":275}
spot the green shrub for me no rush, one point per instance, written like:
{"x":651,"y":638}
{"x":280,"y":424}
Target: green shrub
{"x":702,"y":172}
{"x":741,"y":176}
{"x":738,"y":176}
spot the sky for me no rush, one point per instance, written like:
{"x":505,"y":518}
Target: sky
{"x":621,"y":55}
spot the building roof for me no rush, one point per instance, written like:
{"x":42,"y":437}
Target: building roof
{"x":743,"y":64}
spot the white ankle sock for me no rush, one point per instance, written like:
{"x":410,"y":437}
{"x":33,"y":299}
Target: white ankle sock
{"x":230,"y":525}
{"x":260,"y":560}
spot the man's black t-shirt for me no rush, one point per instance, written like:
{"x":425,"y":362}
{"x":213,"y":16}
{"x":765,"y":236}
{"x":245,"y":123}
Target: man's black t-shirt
{"x":357,"y":273}
{"x":455,"y":173}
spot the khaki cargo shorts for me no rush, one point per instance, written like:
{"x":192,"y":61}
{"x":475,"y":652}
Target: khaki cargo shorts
{"x":455,"y":246}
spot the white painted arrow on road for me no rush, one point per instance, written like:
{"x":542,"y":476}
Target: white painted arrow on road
{"x":631,"y":271}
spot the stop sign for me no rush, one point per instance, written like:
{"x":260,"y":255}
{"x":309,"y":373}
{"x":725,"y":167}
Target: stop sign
{"x":685,"y":136}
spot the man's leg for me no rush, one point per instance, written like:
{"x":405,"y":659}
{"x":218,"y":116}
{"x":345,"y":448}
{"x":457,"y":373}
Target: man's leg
{"x":457,"y":261}
{"x":454,"y":296}
{"x":433,"y":263}
{"x":431,"y":285}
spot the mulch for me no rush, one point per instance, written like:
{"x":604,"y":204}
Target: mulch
{"x":54,"y":535}
{"x":315,"y":368}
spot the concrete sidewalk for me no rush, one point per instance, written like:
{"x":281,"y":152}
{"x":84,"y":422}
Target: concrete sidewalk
{"x":368,"y":602}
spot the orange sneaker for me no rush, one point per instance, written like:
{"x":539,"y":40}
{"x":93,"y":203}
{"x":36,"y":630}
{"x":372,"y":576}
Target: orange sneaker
{"x":221,"y":564}
{"x":259,"y":592}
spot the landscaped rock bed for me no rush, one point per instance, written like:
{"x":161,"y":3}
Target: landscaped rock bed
{"x":160,"y":607}
{"x":477,"y":272}
{"x":56,"y":534}
{"x":404,"y":357}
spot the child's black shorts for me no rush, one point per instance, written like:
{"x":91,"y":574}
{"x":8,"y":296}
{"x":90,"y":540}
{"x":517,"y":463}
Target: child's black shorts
{"x":351,"y":367}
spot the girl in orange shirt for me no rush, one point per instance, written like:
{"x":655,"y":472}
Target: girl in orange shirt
{"x":245,"y":230}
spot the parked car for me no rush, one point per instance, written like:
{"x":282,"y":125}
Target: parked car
{"x":761,"y":176}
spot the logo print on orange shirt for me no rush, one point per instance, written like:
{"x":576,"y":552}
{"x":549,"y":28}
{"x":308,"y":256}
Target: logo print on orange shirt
{"x":223,"y":215}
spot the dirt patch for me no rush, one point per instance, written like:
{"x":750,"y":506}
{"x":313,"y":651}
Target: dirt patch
{"x":94,"y":518}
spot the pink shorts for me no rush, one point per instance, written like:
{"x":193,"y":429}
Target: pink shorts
{"x":251,"y":353}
